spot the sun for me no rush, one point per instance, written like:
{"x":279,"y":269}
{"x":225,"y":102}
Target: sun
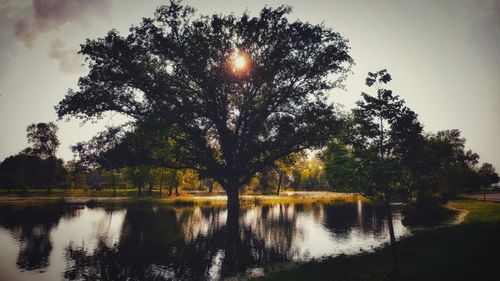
{"x":239,"y":62}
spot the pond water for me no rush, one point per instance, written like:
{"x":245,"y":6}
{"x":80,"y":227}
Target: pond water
{"x":179,"y":243}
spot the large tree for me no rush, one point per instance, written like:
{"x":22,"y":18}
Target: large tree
{"x":229,"y":95}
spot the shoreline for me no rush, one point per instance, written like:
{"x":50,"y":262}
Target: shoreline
{"x":191,"y":200}
{"x":425,"y":255}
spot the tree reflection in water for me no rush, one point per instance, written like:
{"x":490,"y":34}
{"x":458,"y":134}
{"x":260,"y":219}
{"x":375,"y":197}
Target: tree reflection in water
{"x":155,"y":242}
{"x":160,"y":243}
{"x":31,"y":226}
{"x":163,"y":243}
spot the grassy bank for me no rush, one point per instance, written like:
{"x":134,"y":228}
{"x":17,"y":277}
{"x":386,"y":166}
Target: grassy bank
{"x":468,"y":251}
{"x":124,"y":196}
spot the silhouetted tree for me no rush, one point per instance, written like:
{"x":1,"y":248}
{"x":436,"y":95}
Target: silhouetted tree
{"x":44,"y":144}
{"x":445,"y":166}
{"x":29,"y":171}
{"x":22,"y":171}
{"x":282,"y":170}
{"x":43,"y":139}
{"x":488,"y":174}
{"x":228,"y":121}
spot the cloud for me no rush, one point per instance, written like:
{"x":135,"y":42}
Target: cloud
{"x":69,"y":61}
{"x":48,"y":15}
{"x":24,"y":21}
{"x":8,"y":17}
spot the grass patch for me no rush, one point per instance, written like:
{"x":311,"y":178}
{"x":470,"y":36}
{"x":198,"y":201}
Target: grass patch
{"x":468,"y":251}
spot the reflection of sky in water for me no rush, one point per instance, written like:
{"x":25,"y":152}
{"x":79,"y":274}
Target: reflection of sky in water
{"x":85,"y":227}
{"x":312,"y":239}
{"x":159,"y":240}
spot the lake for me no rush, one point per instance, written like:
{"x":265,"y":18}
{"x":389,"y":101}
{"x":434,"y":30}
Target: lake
{"x":158,"y":242}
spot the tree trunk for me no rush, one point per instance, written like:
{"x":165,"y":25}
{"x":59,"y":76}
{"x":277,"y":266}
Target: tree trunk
{"x":114,"y":184}
{"x":233,"y":200}
{"x":232,"y":231}
{"x":172,"y":183}
{"x":140,"y":190}
{"x":210,"y":186}
{"x":232,"y":241}
{"x":162,"y":180}
{"x":280,"y":180}
{"x":51,"y":174}
{"x":394,"y":248}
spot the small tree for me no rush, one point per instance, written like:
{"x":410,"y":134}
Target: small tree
{"x":488,"y":174}
{"x":283,"y":169}
{"x":378,"y":145}
{"x":44,"y":144}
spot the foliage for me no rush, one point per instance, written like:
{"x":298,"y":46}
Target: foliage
{"x":342,"y":170}
{"x":280,"y":174}
{"x":308,"y":174}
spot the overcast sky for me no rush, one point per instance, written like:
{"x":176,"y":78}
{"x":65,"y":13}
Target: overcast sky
{"x":444,"y":57}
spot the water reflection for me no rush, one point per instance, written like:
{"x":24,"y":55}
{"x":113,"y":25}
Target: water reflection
{"x":164,"y":243}
{"x":31,"y":228}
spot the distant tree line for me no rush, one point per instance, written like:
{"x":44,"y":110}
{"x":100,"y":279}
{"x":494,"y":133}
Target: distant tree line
{"x":444,"y":168}
{"x":37,"y":167}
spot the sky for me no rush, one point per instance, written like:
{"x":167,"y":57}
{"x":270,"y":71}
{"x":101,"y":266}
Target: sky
{"x":444,"y":57}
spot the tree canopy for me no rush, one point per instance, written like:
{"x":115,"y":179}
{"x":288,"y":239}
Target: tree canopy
{"x":176,"y":73}
{"x":43,"y":139}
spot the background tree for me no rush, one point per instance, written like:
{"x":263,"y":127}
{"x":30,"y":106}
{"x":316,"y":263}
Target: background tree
{"x":446,"y":167}
{"x":43,"y":139}
{"x":488,"y":175}
{"x":308,"y":174}
{"x":138,"y":177}
{"x":283,"y":170}
{"x":37,"y":165}
{"x":227,"y":120}
{"x":343,"y":171}
{"x":76,"y":174}
{"x":44,"y":143}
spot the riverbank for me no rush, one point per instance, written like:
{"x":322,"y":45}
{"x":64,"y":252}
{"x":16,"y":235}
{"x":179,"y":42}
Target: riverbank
{"x":467,"y":251}
{"x":105,"y":197}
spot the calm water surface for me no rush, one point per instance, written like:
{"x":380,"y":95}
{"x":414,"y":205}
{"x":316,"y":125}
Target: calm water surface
{"x":169,"y":243}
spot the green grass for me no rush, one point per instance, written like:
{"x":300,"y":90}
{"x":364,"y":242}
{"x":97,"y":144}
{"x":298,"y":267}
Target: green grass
{"x":468,"y":251}
{"x":80,"y":192}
